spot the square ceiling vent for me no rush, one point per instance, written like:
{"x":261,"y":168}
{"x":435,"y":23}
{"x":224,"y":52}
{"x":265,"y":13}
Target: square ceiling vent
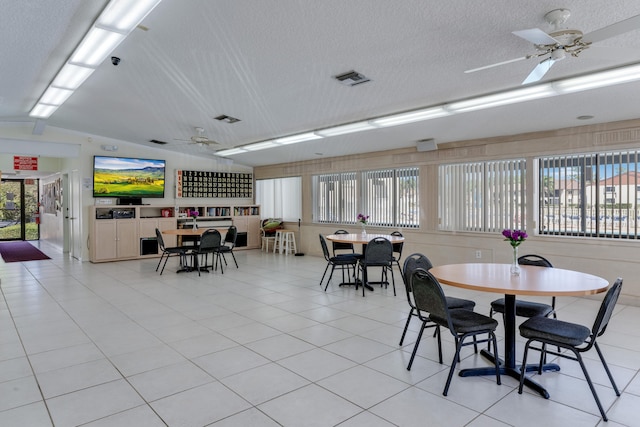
{"x":351,"y":78}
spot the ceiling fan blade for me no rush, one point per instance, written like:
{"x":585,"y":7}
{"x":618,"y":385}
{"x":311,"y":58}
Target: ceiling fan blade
{"x":613,"y":30}
{"x":536,"y":36}
{"x":540,"y":70}
{"x":497,"y":64}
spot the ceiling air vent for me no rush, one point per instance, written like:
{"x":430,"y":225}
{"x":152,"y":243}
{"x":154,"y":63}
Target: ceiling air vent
{"x":156,"y":141}
{"x":227,"y":119}
{"x":351,"y":78}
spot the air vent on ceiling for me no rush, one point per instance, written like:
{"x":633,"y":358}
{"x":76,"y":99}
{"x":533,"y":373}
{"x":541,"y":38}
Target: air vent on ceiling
{"x":351,"y":78}
{"x":227,"y":119}
{"x":156,"y":141}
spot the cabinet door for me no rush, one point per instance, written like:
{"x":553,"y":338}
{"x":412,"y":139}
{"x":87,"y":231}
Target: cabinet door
{"x":127,"y":239}
{"x":241,"y":224}
{"x":168,"y":224}
{"x":253,"y":232}
{"x":148,"y":227}
{"x":104,"y":240}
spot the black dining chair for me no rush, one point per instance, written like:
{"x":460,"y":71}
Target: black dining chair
{"x":526,"y":308}
{"x":335,"y":262}
{"x":378,"y":253}
{"x":573,"y":337}
{"x":230,"y":243}
{"x":429,"y":298}
{"x":210,"y":243}
{"x":167,"y":252}
{"x":411,"y":264}
{"x":397,"y":250}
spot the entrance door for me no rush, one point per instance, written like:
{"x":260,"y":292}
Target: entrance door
{"x":18,"y":209}
{"x":74,"y":215}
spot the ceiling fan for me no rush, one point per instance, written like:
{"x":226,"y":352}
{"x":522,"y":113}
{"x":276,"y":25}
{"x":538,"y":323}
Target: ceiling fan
{"x":556,"y":45}
{"x":200,"y":139}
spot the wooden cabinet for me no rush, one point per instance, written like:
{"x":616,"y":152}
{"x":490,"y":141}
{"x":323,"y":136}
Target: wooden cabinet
{"x":114,"y":239}
{"x":126,"y":232}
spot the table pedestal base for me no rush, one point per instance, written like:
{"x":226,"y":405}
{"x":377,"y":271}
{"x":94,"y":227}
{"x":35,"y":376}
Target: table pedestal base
{"x":513,"y":372}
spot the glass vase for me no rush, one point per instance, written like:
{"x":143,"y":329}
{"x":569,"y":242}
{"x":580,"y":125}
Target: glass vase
{"x":363,"y":228}
{"x":515,"y":267}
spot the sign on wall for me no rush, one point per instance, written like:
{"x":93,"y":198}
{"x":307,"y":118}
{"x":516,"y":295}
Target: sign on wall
{"x":213,"y":184}
{"x":24,"y":163}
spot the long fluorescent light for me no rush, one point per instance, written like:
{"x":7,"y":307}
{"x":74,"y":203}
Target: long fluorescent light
{"x":345,"y":129}
{"x":114,"y":24}
{"x":260,"y":146}
{"x":503,"y":98}
{"x":598,"y":80}
{"x":230,"y":152}
{"x":301,"y":137}
{"x":410,"y":117}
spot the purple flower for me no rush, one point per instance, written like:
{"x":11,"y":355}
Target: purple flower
{"x":514,"y":237}
{"x":362,"y":218}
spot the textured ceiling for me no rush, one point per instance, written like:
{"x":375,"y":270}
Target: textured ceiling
{"x":270,"y":63}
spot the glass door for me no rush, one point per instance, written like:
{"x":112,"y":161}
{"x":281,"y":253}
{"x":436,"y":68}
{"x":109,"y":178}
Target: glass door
{"x":19,"y":218}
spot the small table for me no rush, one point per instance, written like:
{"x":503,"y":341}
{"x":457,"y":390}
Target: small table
{"x":363,"y":239}
{"x":193,"y":232}
{"x":532,"y":280}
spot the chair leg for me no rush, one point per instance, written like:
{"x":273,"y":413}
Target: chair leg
{"x":164,"y":265}
{"x":161,"y":256}
{"x":234,"y":259}
{"x":593,"y":390}
{"x":406,"y":326}
{"x":606,"y":368}
{"x":333,"y":267}
{"x":523,"y":369}
{"x":456,"y":358}
{"x":415,"y":347}
{"x":496,"y":358}
{"x":324,"y":274}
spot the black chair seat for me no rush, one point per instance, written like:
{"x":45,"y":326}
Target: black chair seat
{"x":465,"y":321}
{"x":524,"y":308}
{"x":455,"y":303}
{"x":547,"y":329}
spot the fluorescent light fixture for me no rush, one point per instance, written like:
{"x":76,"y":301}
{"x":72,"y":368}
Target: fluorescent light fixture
{"x":96,"y":46}
{"x":72,"y":76}
{"x":230,"y":152}
{"x":344,"y":129}
{"x":503,"y":98}
{"x":55,"y":96}
{"x":301,"y":137}
{"x":116,"y":21}
{"x":597,"y":80}
{"x":125,"y":15}
{"x":43,"y":111}
{"x":260,"y":146}
{"x":410,"y":117}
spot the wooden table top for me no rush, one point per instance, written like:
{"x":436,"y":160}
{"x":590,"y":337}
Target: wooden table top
{"x":362,"y":238}
{"x":532,"y":280}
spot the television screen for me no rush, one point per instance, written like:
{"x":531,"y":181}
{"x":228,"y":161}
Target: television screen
{"x":127,"y":177}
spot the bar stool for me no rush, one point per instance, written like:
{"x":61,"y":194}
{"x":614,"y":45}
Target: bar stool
{"x":288,"y":242}
{"x":278,"y":242}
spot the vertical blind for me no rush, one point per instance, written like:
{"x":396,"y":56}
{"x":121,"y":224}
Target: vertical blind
{"x":482,"y":196}
{"x":280,"y":198}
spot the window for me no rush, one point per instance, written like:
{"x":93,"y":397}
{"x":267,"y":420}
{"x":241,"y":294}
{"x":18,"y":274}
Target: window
{"x":335,"y":198}
{"x":389,"y":197}
{"x":482,"y":196}
{"x":605,"y":195}
{"x":280,"y":198}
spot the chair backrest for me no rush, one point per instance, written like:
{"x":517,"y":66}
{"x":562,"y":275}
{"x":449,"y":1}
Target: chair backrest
{"x":342,"y":246}
{"x":160,"y":240}
{"x":379,"y":252}
{"x":411,"y":263}
{"x":535,"y":260}
{"x":210,"y":239}
{"x":429,"y":296}
{"x":397,"y":247}
{"x":325,"y":249}
{"x":606,"y":309}
{"x":232,"y":234}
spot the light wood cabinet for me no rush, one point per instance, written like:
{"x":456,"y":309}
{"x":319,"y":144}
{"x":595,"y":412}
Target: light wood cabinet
{"x":127,"y":232}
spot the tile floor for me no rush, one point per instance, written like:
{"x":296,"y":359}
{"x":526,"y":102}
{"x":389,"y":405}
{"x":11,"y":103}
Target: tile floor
{"x":116,"y":344}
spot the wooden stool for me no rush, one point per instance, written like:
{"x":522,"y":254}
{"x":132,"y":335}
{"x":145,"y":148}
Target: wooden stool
{"x":288,"y":242}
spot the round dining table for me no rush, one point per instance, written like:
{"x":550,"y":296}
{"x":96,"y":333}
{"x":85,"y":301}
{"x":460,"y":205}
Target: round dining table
{"x":532,"y":280}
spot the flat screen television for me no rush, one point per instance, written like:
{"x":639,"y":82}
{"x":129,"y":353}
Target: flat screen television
{"x":127,"y":177}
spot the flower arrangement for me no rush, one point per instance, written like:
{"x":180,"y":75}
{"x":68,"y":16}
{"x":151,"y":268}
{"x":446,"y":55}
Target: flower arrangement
{"x":194,"y":213}
{"x":514,"y":237}
{"x":362,"y":218}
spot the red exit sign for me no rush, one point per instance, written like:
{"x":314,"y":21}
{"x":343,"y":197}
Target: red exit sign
{"x":25,"y":163}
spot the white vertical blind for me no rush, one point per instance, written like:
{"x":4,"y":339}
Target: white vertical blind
{"x":280,"y":198}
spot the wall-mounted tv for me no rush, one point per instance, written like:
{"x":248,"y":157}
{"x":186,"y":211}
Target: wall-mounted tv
{"x":125,"y":177}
